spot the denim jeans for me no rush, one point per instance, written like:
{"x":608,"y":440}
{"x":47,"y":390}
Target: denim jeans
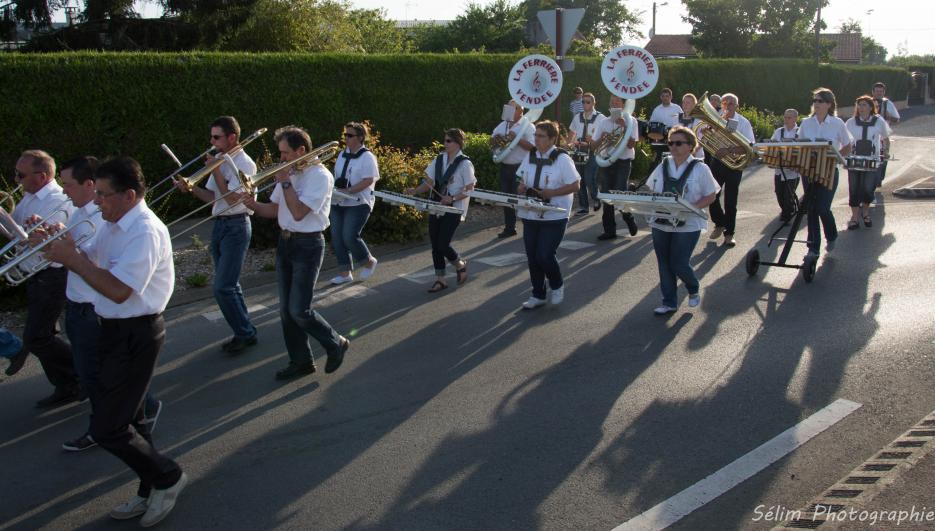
{"x":614,"y":177}
{"x":346,"y":225}
{"x":508,"y":186}
{"x":298,"y":260}
{"x":588,"y":183}
{"x":673,"y":252}
{"x":860,"y":187}
{"x":541,"y":239}
{"x":83,"y":328}
{"x":819,"y":213}
{"x":229,"y":242}
{"x":441,"y":231}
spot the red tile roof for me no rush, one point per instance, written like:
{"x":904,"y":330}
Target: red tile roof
{"x":847,"y":48}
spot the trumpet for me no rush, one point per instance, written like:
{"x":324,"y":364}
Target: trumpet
{"x":15,"y":255}
{"x":9,"y":198}
{"x":196,"y":178}
{"x":252,"y":185}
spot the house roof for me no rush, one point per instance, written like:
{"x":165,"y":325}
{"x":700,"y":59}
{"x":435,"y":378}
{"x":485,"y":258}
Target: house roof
{"x":848,"y":48}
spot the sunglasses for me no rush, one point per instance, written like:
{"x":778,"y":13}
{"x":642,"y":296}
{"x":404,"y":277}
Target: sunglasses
{"x":350,"y":135}
{"x":217,"y":137}
{"x":679,"y":143}
{"x":589,"y":102}
{"x":541,"y":135}
{"x":449,"y":141}
{"x":21,"y":175}
{"x":819,"y":100}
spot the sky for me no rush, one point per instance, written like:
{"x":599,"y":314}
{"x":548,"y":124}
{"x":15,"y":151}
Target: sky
{"x":899,"y":25}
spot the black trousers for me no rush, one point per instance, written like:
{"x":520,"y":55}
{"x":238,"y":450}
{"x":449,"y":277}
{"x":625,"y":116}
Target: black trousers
{"x":730,"y":188}
{"x":128,"y":350}
{"x":441,"y":231}
{"x":614,"y":177}
{"x":46,"y":299}
{"x":508,"y":186}
{"x":785,"y":195}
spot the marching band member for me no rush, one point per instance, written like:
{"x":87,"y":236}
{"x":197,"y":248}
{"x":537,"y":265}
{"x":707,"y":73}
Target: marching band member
{"x":715,"y":101}
{"x":691,"y":179}
{"x":358,"y":176}
{"x":689,"y":102}
{"x":786,"y":182}
{"x":450,"y":178}
{"x":725,"y":220}
{"x":301,"y":202}
{"x":870,"y":132}
{"x":82,"y":324}
{"x":132,"y":292}
{"x":823,"y":123}
{"x":549,"y":174}
{"x":580,"y":132}
{"x":510,"y":164}
{"x":230,"y":237}
{"x":666,"y":113}
{"x":45,"y":291}
{"x":888,"y":111}
{"x":617,"y":175}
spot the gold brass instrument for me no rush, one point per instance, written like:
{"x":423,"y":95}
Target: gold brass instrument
{"x":196,"y":178}
{"x":612,"y":145}
{"x":252,"y":185}
{"x":713,"y":135}
{"x":181,"y":167}
{"x":9,"y":198}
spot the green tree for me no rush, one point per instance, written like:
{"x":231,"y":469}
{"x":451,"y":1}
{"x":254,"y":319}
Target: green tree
{"x":872,"y":52}
{"x":606,"y":23}
{"x":36,"y":13}
{"x":379,"y":34}
{"x":497,"y":27}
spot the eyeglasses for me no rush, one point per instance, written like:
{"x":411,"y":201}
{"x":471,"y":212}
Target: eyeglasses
{"x":20,"y":175}
{"x":588,"y":102}
{"x":350,"y":135}
{"x":541,"y":135}
{"x":104,"y":195}
{"x":819,"y":100}
{"x":449,"y":141}
{"x":217,"y":137}
{"x":679,"y":143}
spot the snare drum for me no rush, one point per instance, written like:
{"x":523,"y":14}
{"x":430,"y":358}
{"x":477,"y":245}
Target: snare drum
{"x":581,"y":157}
{"x":862,"y":163}
{"x":657,"y":131}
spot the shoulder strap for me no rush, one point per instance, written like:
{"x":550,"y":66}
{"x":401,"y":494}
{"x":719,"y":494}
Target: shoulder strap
{"x":676,"y":186}
{"x":442,"y":179}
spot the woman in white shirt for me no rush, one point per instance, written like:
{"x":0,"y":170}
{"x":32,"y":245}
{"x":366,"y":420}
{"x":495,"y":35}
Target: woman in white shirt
{"x":871,"y":134}
{"x":450,"y":176}
{"x":549,"y":174}
{"x":689,"y":102}
{"x":691,"y":179}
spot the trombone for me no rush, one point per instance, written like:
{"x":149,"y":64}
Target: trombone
{"x":251,"y":185}
{"x":16,"y":253}
{"x":200,"y":175}
{"x":210,"y":151}
{"x":9,"y":198}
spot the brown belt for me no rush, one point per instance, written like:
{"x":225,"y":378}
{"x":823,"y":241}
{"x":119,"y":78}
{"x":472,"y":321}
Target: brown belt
{"x":288,"y":234}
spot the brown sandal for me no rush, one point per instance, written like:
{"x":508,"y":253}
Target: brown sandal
{"x":437,"y":286}
{"x":462,"y":273}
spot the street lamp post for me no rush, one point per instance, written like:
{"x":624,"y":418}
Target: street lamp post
{"x":652,"y":32}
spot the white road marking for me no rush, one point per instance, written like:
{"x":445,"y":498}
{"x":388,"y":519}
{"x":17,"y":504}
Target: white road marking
{"x":744,"y":214}
{"x":706,"y":490}
{"x":503,"y":260}
{"x":419,"y":277}
{"x":573,"y":245}
{"x":335,"y":294}
{"x":902,"y":169}
{"x":217,"y":315}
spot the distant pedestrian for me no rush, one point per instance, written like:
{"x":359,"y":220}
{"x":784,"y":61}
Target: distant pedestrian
{"x":577,"y":106}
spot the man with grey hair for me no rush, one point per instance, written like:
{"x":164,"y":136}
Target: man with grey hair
{"x":725,"y":218}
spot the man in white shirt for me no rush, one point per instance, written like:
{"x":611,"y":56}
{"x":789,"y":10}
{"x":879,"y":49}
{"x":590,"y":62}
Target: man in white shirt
{"x":301,"y":203}
{"x":510,"y":164}
{"x":580,"y":131}
{"x":666,"y":113}
{"x":230,"y":237}
{"x":725,"y":219}
{"x":617,"y":175}
{"x":887,"y":110}
{"x":133,"y":287}
{"x":43,"y":199}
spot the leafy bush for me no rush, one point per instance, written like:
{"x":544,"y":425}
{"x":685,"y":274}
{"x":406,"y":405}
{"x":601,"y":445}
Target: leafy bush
{"x":197,"y":280}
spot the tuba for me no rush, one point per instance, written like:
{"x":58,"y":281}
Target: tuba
{"x":534,"y":82}
{"x":612,"y":146}
{"x":713,"y":135}
{"x":629,"y":72}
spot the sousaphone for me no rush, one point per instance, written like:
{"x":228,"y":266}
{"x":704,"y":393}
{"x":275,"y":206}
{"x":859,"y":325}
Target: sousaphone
{"x":631,"y":73}
{"x":535,"y":81}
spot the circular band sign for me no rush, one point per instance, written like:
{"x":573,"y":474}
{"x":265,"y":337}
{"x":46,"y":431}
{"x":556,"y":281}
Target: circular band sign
{"x":535,"y":81}
{"x":630,"y":72}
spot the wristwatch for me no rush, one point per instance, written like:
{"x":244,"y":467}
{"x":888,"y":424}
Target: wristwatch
{"x":285,"y":185}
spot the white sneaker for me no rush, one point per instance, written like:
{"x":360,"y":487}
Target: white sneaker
{"x":533,"y":303}
{"x":694,"y":300}
{"x":341,"y":279}
{"x":716,"y":233}
{"x":131,"y":509}
{"x":558,"y":295}
{"x":367,"y":272}
{"x":663,"y":310}
{"x":162,"y":501}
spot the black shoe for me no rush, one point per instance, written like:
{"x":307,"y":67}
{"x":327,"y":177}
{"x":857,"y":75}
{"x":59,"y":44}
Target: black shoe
{"x":17,"y":362}
{"x":80,"y":444}
{"x":336,"y":357}
{"x":607,"y":236}
{"x":294,"y":371}
{"x":507,"y":233}
{"x":237,"y":344}
{"x":597,"y":206}
{"x":631,"y":224}
{"x":61,"y":395}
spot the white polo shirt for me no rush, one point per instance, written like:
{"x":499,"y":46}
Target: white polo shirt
{"x":888,"y":109}
{"x":462,"y":177}
{"x":313,"y":186}
{"x":875,"y":133}
{"x":607,"y":125}
{"x":578,"y":126}
{"x":832,"y":128}
{"x":363,"y":167}
{"x":525,"y":130}
{"x":744,"y":127}
{"x":43,"y":203}
{"x":667,"y":114}
{"x":555,"y":175}
{"x":137,"y":250}
{"x":700,"y":183}
{"x":245,"y":164}
{"x":77,"y":289}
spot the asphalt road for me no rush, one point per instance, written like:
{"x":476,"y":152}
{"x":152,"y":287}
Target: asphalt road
{"x":458,"y":411}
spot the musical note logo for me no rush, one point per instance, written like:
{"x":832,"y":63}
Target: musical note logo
{"x":631,"y":73}
{"x":537,"y":84}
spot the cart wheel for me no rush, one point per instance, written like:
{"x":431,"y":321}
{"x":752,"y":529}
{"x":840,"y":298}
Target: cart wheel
{"x":753,"y":262}
{"x":808,"y":268}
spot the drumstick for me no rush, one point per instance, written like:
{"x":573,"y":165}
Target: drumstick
{"x":432,"y":188}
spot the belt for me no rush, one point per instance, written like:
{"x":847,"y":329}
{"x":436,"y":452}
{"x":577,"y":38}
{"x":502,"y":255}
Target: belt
{"x":138,"y":318}
{"x":288,"y":234}
{"x":233,"y":216}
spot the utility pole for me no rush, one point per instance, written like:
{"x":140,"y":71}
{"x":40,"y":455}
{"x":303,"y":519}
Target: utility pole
{"x":558,"y":57}
{"x":652,"y":32}
{"x":818,"y":34}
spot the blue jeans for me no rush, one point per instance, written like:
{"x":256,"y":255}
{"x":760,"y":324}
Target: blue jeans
{"x":298,"y":260}
{"x":229,"y":242}
{"x":541,"y":239}
{"x":10,"y":345}
{"x":819,"y":213}
{"x":83,"y":328}
{"x":346,"y":225}
{"x":673,"y":252}
{"x":588,"y":183}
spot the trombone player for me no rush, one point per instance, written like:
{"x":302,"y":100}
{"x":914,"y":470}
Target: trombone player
{"x":230,"y":237}
{"x":44,"y":201}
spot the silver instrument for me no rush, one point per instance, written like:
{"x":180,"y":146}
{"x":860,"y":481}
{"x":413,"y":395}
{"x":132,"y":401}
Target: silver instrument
{"x":15,"y":268}
{"x":665,"y":206}
{"x":516,"y":202}
{"x":419,"y":203}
